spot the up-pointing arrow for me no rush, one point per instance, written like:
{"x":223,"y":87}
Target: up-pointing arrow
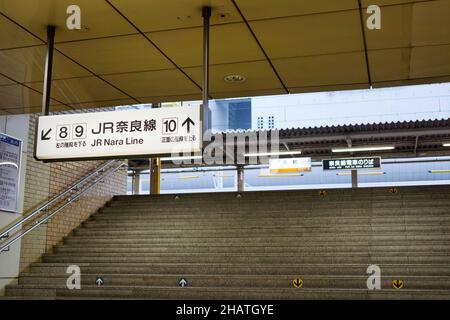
{"x":183,"y":283}
{"x":45,"y":136}
{"x":188,"y":122}
{"x":99,"y":281}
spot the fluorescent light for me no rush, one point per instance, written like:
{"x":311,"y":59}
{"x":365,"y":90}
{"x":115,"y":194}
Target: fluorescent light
{"x":264,"y":154}
{"x":374,"y":173}
{"x":357,"y":149}
{"x":188,"y":177}
{"x":446,"y":145}
{"x":182,"y":158}
{"x":439,"y":171}
{"x":279,"y":175}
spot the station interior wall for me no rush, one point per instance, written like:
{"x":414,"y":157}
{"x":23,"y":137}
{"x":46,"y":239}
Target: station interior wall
{"x":39,"y":182}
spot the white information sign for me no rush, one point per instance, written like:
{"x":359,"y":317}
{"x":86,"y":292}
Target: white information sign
{"x":119,"y":134}
{"x":10,"y":157}
{"x":290,"y":165}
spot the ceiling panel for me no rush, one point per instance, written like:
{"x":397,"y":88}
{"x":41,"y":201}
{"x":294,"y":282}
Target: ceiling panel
{"x":310,"y":35}
{"x":346,"y":68}
{"x":395,"y":28}
{"x":264,"y":9}
{"x":17,"y":97}
{"x":131,"y":53}
{"x":80,"y":90}
{"x":157,"y":15}
{"x":411,"y":82}
{"x":101,"y":104}
{"x":24,"y":110}
{"x":431,"y":23}
{"x":98,"y":19}
{"x":229,"y":43}
{"x":169,"y":98}
{"x":381,"y":3}
{"x":154,"y":83}
{"x":54,"y":108}
{"x":28,"y":64}
{"x":389,"y":64}
{"x":249,"y":93}
{"x":259,"y":75}
{"x":13,"y":36}
{"x":430,"y":61}
{"x":329,"y":88}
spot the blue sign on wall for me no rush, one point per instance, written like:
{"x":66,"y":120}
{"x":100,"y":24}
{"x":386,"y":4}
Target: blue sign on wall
{"x":10,"y":157}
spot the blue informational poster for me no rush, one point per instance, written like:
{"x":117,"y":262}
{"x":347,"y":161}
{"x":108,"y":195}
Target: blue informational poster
{"x":10,"y":157}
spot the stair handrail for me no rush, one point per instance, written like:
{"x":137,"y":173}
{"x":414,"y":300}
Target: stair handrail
{"x":74,"y":186}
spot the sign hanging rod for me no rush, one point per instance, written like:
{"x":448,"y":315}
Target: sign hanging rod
{"x":206,"y":13}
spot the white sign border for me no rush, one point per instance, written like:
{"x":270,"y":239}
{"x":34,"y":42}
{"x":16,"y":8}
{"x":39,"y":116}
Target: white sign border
{"x":124,"y":157}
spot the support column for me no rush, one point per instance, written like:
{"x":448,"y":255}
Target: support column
{"x":354,"y":179}
{"x":240,"y":178}
{"x":48,"y":71}
{"x":136,"y":182}
{"x":155,"y":176}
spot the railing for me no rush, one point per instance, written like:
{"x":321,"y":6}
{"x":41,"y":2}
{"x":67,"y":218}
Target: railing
{"x":84,"y":184}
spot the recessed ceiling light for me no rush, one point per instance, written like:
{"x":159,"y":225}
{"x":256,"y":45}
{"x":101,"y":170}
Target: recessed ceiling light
{"x":376,"y":173}
{"x":181,"y":158}
{"x":265,"y":154}
{"x":234,"y":78}
{"x":360,"y":149}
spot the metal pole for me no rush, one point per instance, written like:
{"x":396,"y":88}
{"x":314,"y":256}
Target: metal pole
{"x":48,"y":70}
{"x":240,"y":177}
{"x":354,"y":179}
{"x":136,"y":182}
{"x":155,"y":176}
{"x":205,"y":111}
{"x":206,"y":13}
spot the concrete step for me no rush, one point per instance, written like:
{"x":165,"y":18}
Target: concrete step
{"x":236,"y":281}
{"x":254,"y":259}
{"x":288,"y":205}
{"x":268,"y":231}
{"x":262,"y":239}
{"x":261,"y":221}
{"x":254,"y":212}
{"x":219,"y":293}
{"x":315,"y":249}
{"x":243,"y":269}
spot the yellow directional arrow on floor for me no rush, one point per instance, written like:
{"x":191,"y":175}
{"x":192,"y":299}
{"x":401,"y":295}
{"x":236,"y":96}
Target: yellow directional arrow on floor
{"x":397,"y":284}
{"x":297,"y":283}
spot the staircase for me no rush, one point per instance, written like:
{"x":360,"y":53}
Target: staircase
{"x":253,"y":245}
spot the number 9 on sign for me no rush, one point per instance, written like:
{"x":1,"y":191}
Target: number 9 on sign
{"x":79,"y":131}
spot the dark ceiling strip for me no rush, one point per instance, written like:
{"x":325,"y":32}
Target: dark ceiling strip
{"x":32,"y":89}
{"x":259,"y":44}
{"x":24,"y":47}
{"x":22,"y":27}
{"x":153,"y":44}
{"x":363,"y":30}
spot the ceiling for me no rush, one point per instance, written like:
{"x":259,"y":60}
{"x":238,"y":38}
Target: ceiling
{"x":140,"y":51}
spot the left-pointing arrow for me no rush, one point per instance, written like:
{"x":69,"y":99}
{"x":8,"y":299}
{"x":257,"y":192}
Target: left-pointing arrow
{"x":45,"y":136}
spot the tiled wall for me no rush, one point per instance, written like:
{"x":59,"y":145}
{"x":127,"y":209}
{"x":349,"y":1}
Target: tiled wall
{"x":46,"y":180}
